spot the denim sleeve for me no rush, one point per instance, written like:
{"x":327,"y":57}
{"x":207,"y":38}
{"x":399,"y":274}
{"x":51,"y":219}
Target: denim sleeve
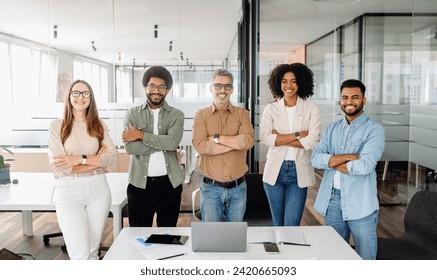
{"x":370,"y":154}
{"x":320,"y":156}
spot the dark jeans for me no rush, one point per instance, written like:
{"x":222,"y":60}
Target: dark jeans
{"x":160,"y":197}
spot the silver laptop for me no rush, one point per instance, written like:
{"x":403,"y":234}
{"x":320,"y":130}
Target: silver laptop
{"x":218,"y":236}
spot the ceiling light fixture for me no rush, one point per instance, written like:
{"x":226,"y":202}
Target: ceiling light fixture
{"x":55,"y":31}
{"x":188,"y":64}
{"x":156,"y":31}
{"x":92,"y":46}
{"x":182,"y":56}
{"x":170,"y":48}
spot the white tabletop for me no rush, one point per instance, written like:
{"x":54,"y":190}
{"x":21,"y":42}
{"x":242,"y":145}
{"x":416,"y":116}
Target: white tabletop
{"x":326,"y":244}
{"x":34,"y":193}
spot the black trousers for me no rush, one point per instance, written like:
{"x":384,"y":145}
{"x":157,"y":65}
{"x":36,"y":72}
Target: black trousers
{"x":159,"y":197}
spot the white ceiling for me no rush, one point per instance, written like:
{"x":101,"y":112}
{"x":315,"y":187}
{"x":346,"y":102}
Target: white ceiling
{"x":204,"y":30}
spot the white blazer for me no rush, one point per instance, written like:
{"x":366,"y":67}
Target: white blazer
{"x":307,"y":117}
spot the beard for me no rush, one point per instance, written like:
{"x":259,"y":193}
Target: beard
{"x":358,"y":110}
{"x":155,"y":103}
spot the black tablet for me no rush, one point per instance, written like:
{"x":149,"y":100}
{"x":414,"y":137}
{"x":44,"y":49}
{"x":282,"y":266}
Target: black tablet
{"x":167,"y":239}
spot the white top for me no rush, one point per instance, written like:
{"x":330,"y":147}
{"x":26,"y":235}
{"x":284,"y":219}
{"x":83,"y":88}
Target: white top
{"x":291,"y":153}
{"x":79,"y":143}
{"x":157,"y":159}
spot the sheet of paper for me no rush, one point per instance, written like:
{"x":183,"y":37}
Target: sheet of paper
{"x":260,"y":236}
{"x":287,"y":235}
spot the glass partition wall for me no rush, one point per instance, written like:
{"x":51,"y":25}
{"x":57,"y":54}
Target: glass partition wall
{"x":47,"y":44}
{"x":391,"y":47}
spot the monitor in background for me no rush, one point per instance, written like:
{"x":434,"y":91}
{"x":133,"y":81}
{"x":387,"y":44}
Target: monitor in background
{"x":218,"y":236}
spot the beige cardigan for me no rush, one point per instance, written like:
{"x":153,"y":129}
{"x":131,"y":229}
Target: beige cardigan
{"x":274,"y":117}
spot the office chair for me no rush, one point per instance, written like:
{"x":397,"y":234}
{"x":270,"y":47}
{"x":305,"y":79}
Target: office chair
{"x":257,"y":206}
{"x":419,"y":239}
{"x":46,"y":239}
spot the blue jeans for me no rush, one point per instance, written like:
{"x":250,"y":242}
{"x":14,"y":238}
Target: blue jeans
{"x":218,"y":204}
{"x":363,"y":230}
{"x":286,"y":199}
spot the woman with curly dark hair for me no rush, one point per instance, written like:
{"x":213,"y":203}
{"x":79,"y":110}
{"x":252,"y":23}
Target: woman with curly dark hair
{"x":290,"y":127}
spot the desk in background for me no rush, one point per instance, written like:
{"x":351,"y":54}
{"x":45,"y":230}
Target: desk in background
{"x":34,"y":193}
{"x":326,"y":244}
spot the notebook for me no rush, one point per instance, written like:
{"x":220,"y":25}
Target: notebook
{"x":218,"y":236}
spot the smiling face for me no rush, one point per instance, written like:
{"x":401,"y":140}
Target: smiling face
{"x":80,"y":103}
{"x":155,"y":95}
{"x":352,"y":102}
{"x":221,"y":96}
{"x":289,"y":87}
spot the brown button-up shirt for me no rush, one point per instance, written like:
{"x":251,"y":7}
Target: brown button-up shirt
{"x":233,"y":121}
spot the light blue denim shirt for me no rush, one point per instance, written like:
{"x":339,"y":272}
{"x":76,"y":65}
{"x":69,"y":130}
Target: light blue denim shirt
{"x":358,"y":188}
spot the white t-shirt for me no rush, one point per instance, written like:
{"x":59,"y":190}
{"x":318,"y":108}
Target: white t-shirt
{"x":156,"y":160}
{"x":291,"y":153}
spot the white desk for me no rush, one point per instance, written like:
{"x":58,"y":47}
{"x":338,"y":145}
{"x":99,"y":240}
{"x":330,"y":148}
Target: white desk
{"x":34,"y":193}
{"x":326,"y":244}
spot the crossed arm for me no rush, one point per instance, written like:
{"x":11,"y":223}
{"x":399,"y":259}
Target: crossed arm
{"x":339,"y":161}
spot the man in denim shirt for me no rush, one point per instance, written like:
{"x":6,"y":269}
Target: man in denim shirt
{"x":152,"y":133}
{"x":349,"y":151}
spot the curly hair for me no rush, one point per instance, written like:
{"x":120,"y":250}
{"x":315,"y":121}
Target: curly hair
{"x":158,"y":72}
{"x":304,"y":79}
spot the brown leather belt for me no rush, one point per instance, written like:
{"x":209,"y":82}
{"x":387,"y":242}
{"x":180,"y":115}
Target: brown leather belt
{"x":226,"y":185}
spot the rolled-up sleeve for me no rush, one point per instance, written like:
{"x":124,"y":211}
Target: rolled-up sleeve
{"x":56,"y":148}
{"x":200,"y":135}
{"x":310,"y":141}
{"x":320,"y":156}
{"x":246,"y":133}
{"x":111,"y":156}
{"x":267,"y":137}
{"x":370,"y":154}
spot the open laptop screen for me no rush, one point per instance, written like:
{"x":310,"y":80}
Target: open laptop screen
{"x":218,"y":236}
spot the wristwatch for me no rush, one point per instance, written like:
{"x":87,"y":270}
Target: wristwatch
{"x":297,"y":135}
{"x":84,"y":158}
{"x":216,"y":138}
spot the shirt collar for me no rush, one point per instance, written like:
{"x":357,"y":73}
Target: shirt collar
{"x":230,"y":108}
{"x":146,"y":105}
{"x":358,"y":121}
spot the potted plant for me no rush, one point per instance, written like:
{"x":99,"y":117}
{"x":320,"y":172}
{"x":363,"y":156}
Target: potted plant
{"x":5,"y":177}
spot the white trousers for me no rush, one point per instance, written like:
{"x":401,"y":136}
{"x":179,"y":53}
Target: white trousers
{"x":82,"y":206}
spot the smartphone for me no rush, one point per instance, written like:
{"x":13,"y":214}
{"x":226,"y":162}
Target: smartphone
{"x":167,"y":239}
{"x":271,"y":248}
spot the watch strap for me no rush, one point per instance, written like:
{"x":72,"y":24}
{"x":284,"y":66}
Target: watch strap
{"x":84,"y":158}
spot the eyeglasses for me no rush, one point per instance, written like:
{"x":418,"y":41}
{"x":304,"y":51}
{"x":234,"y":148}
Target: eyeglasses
{"x":152,"y":87}
{"x":218,"y":86}
{"x":76,"y":93}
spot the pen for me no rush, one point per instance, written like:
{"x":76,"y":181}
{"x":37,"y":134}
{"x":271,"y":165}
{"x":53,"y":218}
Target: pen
{"x":174,"y":256}
{"x":297,"y":244}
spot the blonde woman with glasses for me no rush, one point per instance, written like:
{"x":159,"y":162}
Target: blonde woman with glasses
{"x":79,"y":150}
